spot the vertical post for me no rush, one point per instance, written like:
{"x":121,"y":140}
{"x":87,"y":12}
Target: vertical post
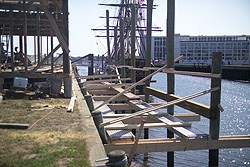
{"x":11,"y":41}
{"x":38,"y":37}
{"x":65,"y":8}
{"x":35,"y":49}
{"x":148,"y":55}
{"x":108,"y":41}
{"x":66,"y":60}
{"x":91,"y":65}
{"x":122,"y":46}
{"x":148,"y":40}
{"x":98,"y":119}
{"x":51,"y":48}
{"x":170,"y":64}
{"x":25,"y":37}
{"x":133,"y":38}
{"x":116,"y":47}
{"x":214,"y":128}
{"x":102,"y":62}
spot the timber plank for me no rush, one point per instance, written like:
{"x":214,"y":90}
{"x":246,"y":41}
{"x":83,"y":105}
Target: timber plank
{"x":170,"y":145}
{"x":13,"y":126}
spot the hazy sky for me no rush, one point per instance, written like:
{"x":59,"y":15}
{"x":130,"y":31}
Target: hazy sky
{"x":192,"y":17}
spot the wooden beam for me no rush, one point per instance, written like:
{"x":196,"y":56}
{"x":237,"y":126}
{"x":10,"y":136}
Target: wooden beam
{"x":106,"y":80}
{"x":146,"y":125}
{"x":101,"y":86}
{"x":166,"y":145}
{"x":32,"y":75}
{"x":102,"y":92}
{"x":121,"y":106}
{"x":98,"y":76}
{"x":129,"y":95}
{"x":13,"y":126}
{"x":147,"y":110}
{"x":46,"y":58}
{"x":71,"y":104}
{"x":199,"y":74}
{"x":104,"y":98}
{"x":53,"y":24}
{"x":195,"y":107}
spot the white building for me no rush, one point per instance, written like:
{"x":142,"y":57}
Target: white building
{"x":198,"y":49}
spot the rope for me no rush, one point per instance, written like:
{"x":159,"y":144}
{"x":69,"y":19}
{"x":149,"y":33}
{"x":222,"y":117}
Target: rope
{"x":40,"y":120}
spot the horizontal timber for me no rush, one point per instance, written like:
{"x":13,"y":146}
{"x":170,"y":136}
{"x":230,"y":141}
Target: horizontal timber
{"x":188,"y":104}
{"x":169,"y":145}
{"x":32,"y":75}
{"x":199,"y":74}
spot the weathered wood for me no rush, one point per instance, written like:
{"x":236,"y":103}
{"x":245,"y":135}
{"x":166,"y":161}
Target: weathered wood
{"x":121,"y":106}
{"x":106,"y":80}
{"x":193,"y":106}
{"x":32,"y":75}
{"x":138,"y":135}
{"x":146,"y":125}
{"x":101,"y":86}
{"x":131,"y":87}
{"x":215,"y":98}
{"x":71,"y":104}
{"x":161,"y":106}
{"x":13,"y":126}
{"x":129,"y":95}
{"x":97,"y":76}
{"x":102,"y":92}
{"x":199,"y":74}
{"x":163,"y":145}
{"x":54,"y":26}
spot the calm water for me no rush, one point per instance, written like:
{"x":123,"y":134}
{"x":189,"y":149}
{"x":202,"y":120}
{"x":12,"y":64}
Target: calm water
{"x":234,"y":121}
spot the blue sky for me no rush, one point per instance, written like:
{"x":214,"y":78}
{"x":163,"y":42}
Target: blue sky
{"x":192,"y":17}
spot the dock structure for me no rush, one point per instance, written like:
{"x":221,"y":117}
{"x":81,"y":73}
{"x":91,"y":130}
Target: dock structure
{"x":28,"y":26}
{"x":125,"y":113}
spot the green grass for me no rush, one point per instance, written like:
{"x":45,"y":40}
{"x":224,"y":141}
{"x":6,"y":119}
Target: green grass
{"x":71,"y":153}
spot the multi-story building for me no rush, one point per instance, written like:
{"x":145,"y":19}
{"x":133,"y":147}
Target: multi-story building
{"x":198,"y":49}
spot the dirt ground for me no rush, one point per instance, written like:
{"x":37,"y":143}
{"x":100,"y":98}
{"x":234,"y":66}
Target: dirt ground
{"x":54,"y":137}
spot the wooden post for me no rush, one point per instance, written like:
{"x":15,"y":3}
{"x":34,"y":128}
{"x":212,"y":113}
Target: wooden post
{"x":170,"y":64}
{"x":1,"y":83}
{"x":51,"y":48}
{"x":108,"y":41}
{"x":66,"y":64}
{"x":98,"y":119}
{"x":38,"y":38}
{"x":116,"y":46}
{"x":133,"y":38}
{"x":117,"y":158}
{"x":122,"y":47}
{"x":25,"y":37}
{"x":91,"y":65}
{"x":11,"y":41}
{"x":89,"y":101}
{"x":84,"y":91}
{"x":148,"y":57}
{"x":214,"y":128}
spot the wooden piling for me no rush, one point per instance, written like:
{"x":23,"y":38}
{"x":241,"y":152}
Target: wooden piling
{"x":98,"y":119}
{"x":116,"y":46}
{"x":91,"y":64}
{"x":89,"y":101}
{"x":214,"y":128}
{"x":170,"y":64}
{"x":108,"y":41}
{"x":133,"y":38}
{"x":117,"y":158}
{"x":122,"y":47}
{"x":84,"y":91}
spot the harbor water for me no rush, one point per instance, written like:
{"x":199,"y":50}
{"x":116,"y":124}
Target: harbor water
{"x":235,"y":120}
